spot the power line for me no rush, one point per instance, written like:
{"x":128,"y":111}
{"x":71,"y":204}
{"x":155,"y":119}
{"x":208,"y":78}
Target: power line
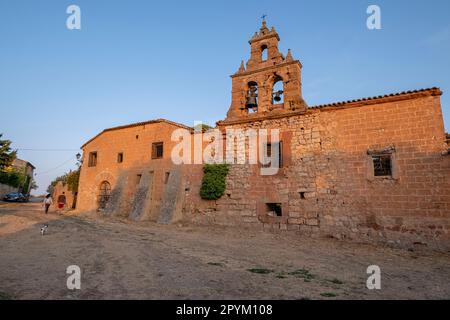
{"x":55,"y":168}
{"x":48,"y":150}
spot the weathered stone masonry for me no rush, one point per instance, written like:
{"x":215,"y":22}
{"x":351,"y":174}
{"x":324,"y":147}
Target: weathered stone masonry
{"x":327,"y":183}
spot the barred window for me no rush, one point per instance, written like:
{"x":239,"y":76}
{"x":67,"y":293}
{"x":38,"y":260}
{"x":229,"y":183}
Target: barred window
{"x":382,"y":165}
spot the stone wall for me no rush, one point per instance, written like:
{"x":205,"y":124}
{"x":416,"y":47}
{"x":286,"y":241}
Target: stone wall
{"x":58,"y":190}
{"x":139,"y":183}
{"x":5,"y":189}
{"x":327,"y":184}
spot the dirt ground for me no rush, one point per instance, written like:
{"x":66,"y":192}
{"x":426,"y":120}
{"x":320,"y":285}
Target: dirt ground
{"x":124,"y":260}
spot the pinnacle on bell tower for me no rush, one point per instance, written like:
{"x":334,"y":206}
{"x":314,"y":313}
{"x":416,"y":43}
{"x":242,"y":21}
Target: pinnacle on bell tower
{"x":269,"y":82}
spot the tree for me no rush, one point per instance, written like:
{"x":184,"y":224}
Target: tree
{"x":34,"y":185}
{"x":13,"y":178}
{"x":7,"y":156}
{"x":52,"y":185}
{"x":202,"y":127}
{"x":72,"y":180}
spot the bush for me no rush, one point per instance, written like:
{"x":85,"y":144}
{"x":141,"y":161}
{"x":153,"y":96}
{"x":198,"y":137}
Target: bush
{"x":213,"y":183}
{"x":12,"y":178}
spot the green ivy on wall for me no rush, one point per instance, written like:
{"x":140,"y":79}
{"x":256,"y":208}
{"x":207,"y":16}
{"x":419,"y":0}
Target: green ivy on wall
{"x":213,"y":183}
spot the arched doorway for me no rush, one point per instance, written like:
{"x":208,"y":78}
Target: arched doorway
{"x":104,"y":194}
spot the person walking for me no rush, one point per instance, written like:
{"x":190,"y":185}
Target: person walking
{"x":47,"y":202}
{"x":62,"y":201}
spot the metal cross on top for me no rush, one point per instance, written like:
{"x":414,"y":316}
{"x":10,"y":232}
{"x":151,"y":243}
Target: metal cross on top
{"x":264,"y":17}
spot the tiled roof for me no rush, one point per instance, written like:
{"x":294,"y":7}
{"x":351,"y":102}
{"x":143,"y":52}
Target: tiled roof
{"x":432,"y":91}
{"x":137,"y":124}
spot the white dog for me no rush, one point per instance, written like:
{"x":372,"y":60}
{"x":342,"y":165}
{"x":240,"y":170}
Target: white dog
{"x":44,"y":229}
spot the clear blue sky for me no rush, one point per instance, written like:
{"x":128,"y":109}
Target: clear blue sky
{"x":140,"y":60}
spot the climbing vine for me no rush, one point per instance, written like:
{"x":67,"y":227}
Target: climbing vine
{"x":213,"y":183}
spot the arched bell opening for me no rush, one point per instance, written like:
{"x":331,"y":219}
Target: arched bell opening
{"x":251,"y":99}
{"x":264,"y":53}
{"x":278,"y":91}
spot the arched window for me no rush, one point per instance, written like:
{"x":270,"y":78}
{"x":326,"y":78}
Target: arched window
{"x":278,"y":91}
{"x":251,"y":100}
{"x":104,"y":194}
{"x":264,"y":53}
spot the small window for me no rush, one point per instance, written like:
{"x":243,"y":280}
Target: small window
{"x":120,"y":157}
{"x":166,"y":177}
{"x":382,"y":165}
{"x":269,"y":155}
{"x":274,"y":209}
{"x":138,"y":179}
{"x":157,"y":150}
{"x":92,"y":159}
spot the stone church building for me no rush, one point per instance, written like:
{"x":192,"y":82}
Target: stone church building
{"x":373,"y":169}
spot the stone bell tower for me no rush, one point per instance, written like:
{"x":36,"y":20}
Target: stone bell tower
{"x":269,"y":83}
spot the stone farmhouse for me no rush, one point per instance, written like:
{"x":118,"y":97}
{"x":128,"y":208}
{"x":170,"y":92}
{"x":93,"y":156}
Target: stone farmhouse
{"x":374,"y":169}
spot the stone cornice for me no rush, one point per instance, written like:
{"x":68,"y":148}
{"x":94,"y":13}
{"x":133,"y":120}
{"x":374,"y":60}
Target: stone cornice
{"x":337,"y":106}
{"x":277,"y":66}
{"x":267,"y":36}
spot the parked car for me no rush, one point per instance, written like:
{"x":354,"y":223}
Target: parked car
{"x":15,"y":197}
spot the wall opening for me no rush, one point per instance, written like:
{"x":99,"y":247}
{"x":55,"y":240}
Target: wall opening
{"x":274,"y":209}
{"x":278,"y":91}
{"x":302,"y":195}
{"x":120,"y":157}
{"x":251,"y":102}
{"x":264,"y":53}
{"x":166,"y":177}
{"x":269,"y":153}
{"x":157,"y":150}
{"x":104,"y":194}
{"x":92,"y":159}
{"x":382,"y":165}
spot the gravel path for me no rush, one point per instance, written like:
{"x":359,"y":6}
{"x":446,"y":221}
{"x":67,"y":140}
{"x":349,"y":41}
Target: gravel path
{"x":125,"y":260}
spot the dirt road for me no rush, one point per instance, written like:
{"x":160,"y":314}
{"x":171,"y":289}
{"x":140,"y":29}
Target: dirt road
{"x":123,"y":260}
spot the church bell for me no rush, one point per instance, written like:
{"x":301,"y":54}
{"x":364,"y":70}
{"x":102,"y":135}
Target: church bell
{"x":277,"y":96}
{"x":251,"y":101}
